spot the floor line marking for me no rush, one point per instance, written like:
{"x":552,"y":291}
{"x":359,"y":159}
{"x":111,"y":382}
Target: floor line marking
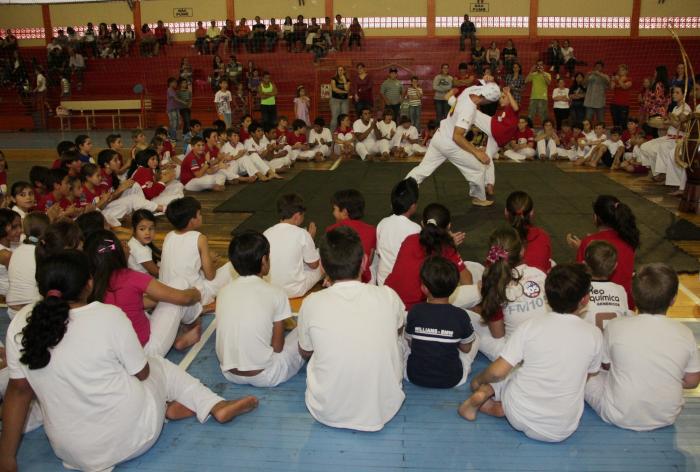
{"x":689,"y":293}
{"x":336,"y":163}
{"x":685,"y":320}
{"x":192,"y":353}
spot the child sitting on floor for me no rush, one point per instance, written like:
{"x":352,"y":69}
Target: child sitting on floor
{"x":648,"y":359}
{"x":348,"y":210}
{"x":547,"y":142}
{"x":10,"y":232}
{"x":143,"y":254}
{"x":258,"y":144}
{"x":186,"y":255}
{"x":386,"y":129}
{"x":344,"y":138}
{"x":608,"y":300}
{"x":406,"y":141}
{"x":296,"y":140}
{"x":294,"y":260}
{"x":243,"y":163}
{"x":250,"y":313}
{"x":440,"y":335}
{"x":593,"y":143}
{"x":609,"y":152}
{"x":520,"y":213}
{"x":159,"y":187}
{"x":22,"y":198}
{"x":320,"y":140}
{"x":197,"y":174}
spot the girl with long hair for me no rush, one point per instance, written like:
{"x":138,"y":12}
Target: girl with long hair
{"x":520,"y":213}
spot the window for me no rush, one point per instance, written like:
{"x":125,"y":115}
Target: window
{"x":596,"y":22}
{"x":662,"y":22}
{"x":483,"y":21}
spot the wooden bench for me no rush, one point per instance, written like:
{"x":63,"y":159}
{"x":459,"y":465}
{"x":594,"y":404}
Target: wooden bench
{"x":92,"y":109}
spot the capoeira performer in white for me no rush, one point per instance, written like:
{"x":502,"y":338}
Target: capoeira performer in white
{"x":450,"y":143}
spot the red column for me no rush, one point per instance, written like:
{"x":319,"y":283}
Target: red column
{"x":230,"y":10}
{"x":430,"y":20}
{"x":532,"y":24}
{"x":46,"y":16}
{"x":634,"y":19}
{"x":136,"y":12}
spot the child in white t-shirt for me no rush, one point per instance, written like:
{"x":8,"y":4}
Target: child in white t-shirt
{"x":186,"y":257}
{"x":320,"y":140}
{"x":648,"y":359}
{"x":593,"y":142}
{"x":392,"y":230}
{"x":609,"y":151}
{"x":561,"y":103}
{"x":141,"y":247}
{"x":512,"y":293}
{"x":223,"y":100}
{"x":266,"y":148}
{"x":250,"y":313}
{"x":407,"y":141}
{"x":608,"y":300}
{"x":339,"y":359}
{"x":294,"y":259}
{"x":251,"y":165}
{"x":10,"y":232}
{"x":387,"y":130}
{"x":548,"y":142}
{"x":555,"y":353}
{"x":22,"y":268}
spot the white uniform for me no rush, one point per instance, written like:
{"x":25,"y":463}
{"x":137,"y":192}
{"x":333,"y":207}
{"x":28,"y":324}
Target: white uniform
{"x":245,"y":312}
{"x":391,"y":232}
{"x":315,"y":141}
{"x":442,"y":147}
{"x":543,"y":397}
{"x":21,"y":272}
{"x":369,"y":144}
{"x":248,"y":164}
{"x":547,"y":147}
{"x":349,"y":136}
{"x":528,"y":300}
{"x":291,"y":249}
{"x":138,"y":254}
{"x":4,"y":278}
{"x":655,"y":153}
{"x":180,"y":261}
{"x":91,"y":375}
{"x":128,"y":202}
{"x":34,"y":418}
{"x":387,"y":132}
{"x":260,"y":148}
{"x":606,"y":297}
{"x":648,"y":356}
{"x":354,"y":377}
{"x":402,"y":137}
{"x":613,"y":146}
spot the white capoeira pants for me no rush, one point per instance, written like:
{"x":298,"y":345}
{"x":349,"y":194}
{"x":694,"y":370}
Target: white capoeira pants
{"x":283,"y":366}
{"x":366,"y":147}
{"x":35,"y":417}
{"x":173,"y":191}
{"x":279,"y":162}
{"x":547,"y":148}
{"x":666,"y":164}
{"x":206,"y":182}
{"x":650,"y":150}
{"x":488,"y":345}
{"x":250,"y":164}
{"x":165,"y":322}
{"x":483,"y":122}
{"x":323,"y":149}
{"x":442,"y":148}
{"x":412,"y":149}
{"x":131,"y":200}
{"x":520,"y":154}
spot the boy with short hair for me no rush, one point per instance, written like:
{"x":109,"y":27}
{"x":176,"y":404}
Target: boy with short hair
{"x":348,"y":210}
{"x":608,"y":300}
{"x":185,"y":258}
{"x":197,"y":174}
{"x":58,"y":191}
{"x":558,"y":345}
{"x":386,"y":129}
{"x":547,"y":142}
{"x":522,"y":147}
{"x":195,"y":130}
{"x":264,"y":142}
{"x":609,"y":152}
{"x":251,"y":165}
{"x":407,"y":141}
{"x":250,"y":313}
{"x":392,"y":230}
{"x":296,"y":140}
{"x":339,"y":359}
{"x":61,"y":148}
{"x":595,"y":143}
{"x":648,"y":359}
{"x":294,"y":259}
{"x":320,"y":140}
{"x":440,"y":335}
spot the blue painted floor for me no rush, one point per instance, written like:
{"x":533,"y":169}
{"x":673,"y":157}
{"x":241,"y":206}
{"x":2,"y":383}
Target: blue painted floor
{"x":426,"y":434}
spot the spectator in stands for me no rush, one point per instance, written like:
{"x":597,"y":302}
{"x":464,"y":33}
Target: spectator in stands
{"x":478,"y":57}
{"x":300,"y":34}
{"x":362,"y":86}
{"x":272,"y":35}
{"x":74,"y":41}
{"x":340,"y":32}
{"x":620,"y":104}
{"x":128,"y":38}
{"x":172,"y":108}
{"x":567,"y":57}
{"x":493,"y":56}
{"x":577,"y":93}
{"x":288,"y":32}
{"x":414,"y":95}
{"x":162,"y":34}
{"x":76,"y":62}
{"x":234,"y":70}
{"x":268,"y":105}
{"x":466,"y":30}
{"x":218,"y":65}
{"x":356,"y":33}
{"x":465,"y":77}
{"x":340,"y":87}
{"x":258,"y":35}
{"x":326,"y":32}
{"x":442,"y":83}
{"x":148,"y":41}
{"x":515,"y":80}
{"x":242,"y":35}
{"x":510,"y":57}
{"x":561,"y":103}
{"x":227,"y":35}
{"x":597,"y":83}
{"x":184,"y":99}
{"x":115,"y":41}
{"x":538,"y":95}
{"x":679,"y":79}
{"x":214,"y":37}
{"x":62,"y":39}
{"x":200,"y":39}
{"x":659,"y":98}
{"x":392,"y":92}
{"x":90,"y":39}
{"x":554,"y":57}
{"x":103,"y":39}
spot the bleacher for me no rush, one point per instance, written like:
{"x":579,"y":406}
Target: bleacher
{"x":114,"y":79}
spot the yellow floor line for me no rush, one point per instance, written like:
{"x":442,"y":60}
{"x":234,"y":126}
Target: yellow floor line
{"x":192,"y":354}
{"x":689,"y":293}
{"x":336,"y":163}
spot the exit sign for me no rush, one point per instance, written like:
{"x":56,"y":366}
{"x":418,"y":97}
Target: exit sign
{"x":182,"y":13}
{"x":478,"y":7}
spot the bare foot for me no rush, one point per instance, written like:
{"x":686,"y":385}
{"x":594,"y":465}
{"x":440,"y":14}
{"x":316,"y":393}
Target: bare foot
{"x":470,"y":407}
{"x":177,"y":411}
{"x":209,"y":308}
{"x":677,"y":193}
{"x":489,"y":189}
{"x":247,"y":178}
{"x":218,"y":188}
{"x":191,"y":334}
{"x":319,"y":157}
{"x":592,"y":164}
{"x":277,"y":176}
{"x":227,"y":410}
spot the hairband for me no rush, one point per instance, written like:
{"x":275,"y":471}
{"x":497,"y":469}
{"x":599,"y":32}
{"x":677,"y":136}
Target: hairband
{"x":32,"y":239}
{"x":496,"y":253}
{"x":431,"y":221}
{"x":54,"y":293}
{"x":109,"y":246}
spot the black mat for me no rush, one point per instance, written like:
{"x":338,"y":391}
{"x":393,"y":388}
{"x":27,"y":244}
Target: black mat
{"x":563,"y":203}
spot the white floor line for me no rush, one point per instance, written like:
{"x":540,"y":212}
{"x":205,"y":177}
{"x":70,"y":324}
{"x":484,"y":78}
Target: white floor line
{"x":336,"y":163}
{"x":187,"y":360}
{"x":689,"y":294}
{"x":686,"y":320}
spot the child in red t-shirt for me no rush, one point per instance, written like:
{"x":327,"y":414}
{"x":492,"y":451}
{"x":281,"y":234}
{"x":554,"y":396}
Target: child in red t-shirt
{"x":158,"y":187}
{"x":348,"y":210}
{"x":520,"y":213}
{"x":522,"y":146}
{"x":296,"y":140}
{"x":196,"y":173}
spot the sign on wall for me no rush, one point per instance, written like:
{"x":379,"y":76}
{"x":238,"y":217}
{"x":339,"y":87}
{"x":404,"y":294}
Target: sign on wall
{"x":479,"y":7}
{"x":182,"y":12}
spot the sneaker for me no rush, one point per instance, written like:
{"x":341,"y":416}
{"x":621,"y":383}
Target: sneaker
{"x":482,"y":203}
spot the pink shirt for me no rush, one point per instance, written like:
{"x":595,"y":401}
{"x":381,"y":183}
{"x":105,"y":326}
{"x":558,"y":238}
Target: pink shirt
{"x":126,"y":289}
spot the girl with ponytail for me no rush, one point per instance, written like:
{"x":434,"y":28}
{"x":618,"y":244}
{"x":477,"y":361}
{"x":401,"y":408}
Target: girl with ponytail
{"x":520,"y":214}
{"x":82,"y":360}
{"x":512,"y":292}
{"x":435,"y":238}
{"x":617,"y":225}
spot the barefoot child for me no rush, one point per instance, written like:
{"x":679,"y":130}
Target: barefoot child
{"x":320,"y":140}
{"x":159,"y":187}
{"x":547,"y":142}
{"x":143,"y":254}
{"x":558,"y":345}
{"x":344,"y":138}
{"x":407,"y":141}
{"x":92,"y":348}
{"x":251,"y":165}
{"x":197,"y":174}
{"x":250,"y":313}
{"x":608,"y":300}
{"x":440,"y":335}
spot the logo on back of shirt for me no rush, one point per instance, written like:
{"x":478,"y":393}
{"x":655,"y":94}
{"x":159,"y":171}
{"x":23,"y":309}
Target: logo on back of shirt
{"x":435,"y":332}
{"x":531,"y":289}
